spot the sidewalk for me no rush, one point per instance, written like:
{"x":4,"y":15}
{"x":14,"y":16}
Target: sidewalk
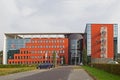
{"x":79,"y":74}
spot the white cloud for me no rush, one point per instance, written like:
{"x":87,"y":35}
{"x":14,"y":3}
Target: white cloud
{"x":56,"y":15}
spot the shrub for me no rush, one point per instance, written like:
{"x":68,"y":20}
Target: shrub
{"x":111,"y":68}
{"x":15,"y":66}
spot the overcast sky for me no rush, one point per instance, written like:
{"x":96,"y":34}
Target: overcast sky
{"x":55,"y":15}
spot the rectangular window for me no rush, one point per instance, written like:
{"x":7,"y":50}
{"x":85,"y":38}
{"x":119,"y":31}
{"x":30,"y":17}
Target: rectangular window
{"x":63,"y":51}
{"x":46,"y":46}
{"x":32,"y":41}
{"x":33,"y":46}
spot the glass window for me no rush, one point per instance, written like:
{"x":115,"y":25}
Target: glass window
{"x":57,"y":51}
{"x":32,"y":46}
{"x":63,"y":41}
{"x":46,"y":41}
{"x":63,"y":51}
{"x":58,"y":41}
{"x":32,"y":51}
{"x":41,"y":51}
{"x":32,"y":41}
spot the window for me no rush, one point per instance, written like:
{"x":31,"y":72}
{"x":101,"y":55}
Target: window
{"x":32,"y":51}
{"x":57,"y":51}
{"x":63,"y":41}
{"x":32,"y":57}
{"x":55,"y":46}
{"x":33,"y":46}
{"x":63,"y":51}
{"x":46,"y":41}
{"x":35,"y":41}
{"x":60,"y":51}
{"x":46,"y":46}
{"x":60,"y":46}
{"x":54,"y":41}
{"x":52,"y":51}
{"x":58,"y":41}
{"x":32,"y":41}
{"x":41,"y":51}
{"x":41,"y":41}
{"x":41,"y":46}
{"x":51,"y":46}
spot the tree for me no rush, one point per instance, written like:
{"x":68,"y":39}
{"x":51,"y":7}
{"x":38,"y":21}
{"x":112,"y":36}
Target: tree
{"x":64,"y":60}
{"x":54,"y":58}
{"x":84,"y":56}
{"x":1,"y":56}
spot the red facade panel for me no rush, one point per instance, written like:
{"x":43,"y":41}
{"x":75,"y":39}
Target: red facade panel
{"x":96,"y":40}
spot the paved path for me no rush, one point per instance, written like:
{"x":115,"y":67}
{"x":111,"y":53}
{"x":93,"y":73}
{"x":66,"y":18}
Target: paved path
{"x":79,"y":74}
{"x":61,"y":73}
{"x":54,"y":74}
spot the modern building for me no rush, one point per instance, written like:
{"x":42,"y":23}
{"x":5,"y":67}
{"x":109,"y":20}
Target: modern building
{"x":34,"y":48}
{"x":99,"y":40}
{"x":102,"y":42}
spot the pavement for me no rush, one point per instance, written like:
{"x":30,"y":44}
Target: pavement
{"x":79,"y":74}
{"x":60,"y":73}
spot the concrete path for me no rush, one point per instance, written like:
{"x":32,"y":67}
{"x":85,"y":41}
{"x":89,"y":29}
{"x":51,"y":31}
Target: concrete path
{"x":79,"y":74}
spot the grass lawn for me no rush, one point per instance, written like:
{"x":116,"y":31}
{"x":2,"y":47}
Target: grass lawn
{"x":5,"y":71}
{"x":101,"y":75}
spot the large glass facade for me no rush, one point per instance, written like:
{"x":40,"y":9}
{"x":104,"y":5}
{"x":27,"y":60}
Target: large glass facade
{"x":13,"y":46}
{"x":115,"y":41}
{"x":88,"y":31}
{"x":75,"y":42}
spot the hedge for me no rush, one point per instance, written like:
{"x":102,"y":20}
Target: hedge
{"x":16,"y":66}
{"x":111,"y":68}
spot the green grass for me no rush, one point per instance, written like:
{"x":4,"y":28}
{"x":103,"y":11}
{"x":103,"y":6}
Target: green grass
{"x":5,"y":71}
{"x":101,"y":75}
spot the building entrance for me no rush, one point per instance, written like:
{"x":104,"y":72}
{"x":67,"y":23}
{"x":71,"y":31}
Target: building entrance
{"x":75,"y":49}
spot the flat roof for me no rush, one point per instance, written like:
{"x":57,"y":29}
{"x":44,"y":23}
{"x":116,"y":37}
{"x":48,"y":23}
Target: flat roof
{"x":40,"y":33}
{"x":19,"y":35}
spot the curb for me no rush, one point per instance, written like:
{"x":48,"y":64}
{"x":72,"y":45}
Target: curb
{"x":94,"y":78}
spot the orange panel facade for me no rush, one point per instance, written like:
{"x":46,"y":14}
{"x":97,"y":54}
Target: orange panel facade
{"x":40,"y":50}
{"x":101,"y":43}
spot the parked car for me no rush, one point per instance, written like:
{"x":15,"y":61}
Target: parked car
{"x":113,"y":62}
{"x":45,"y":66}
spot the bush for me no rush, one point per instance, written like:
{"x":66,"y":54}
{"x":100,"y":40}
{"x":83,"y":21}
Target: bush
{"x":16,"y":66}
{"x":111,"y":68}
